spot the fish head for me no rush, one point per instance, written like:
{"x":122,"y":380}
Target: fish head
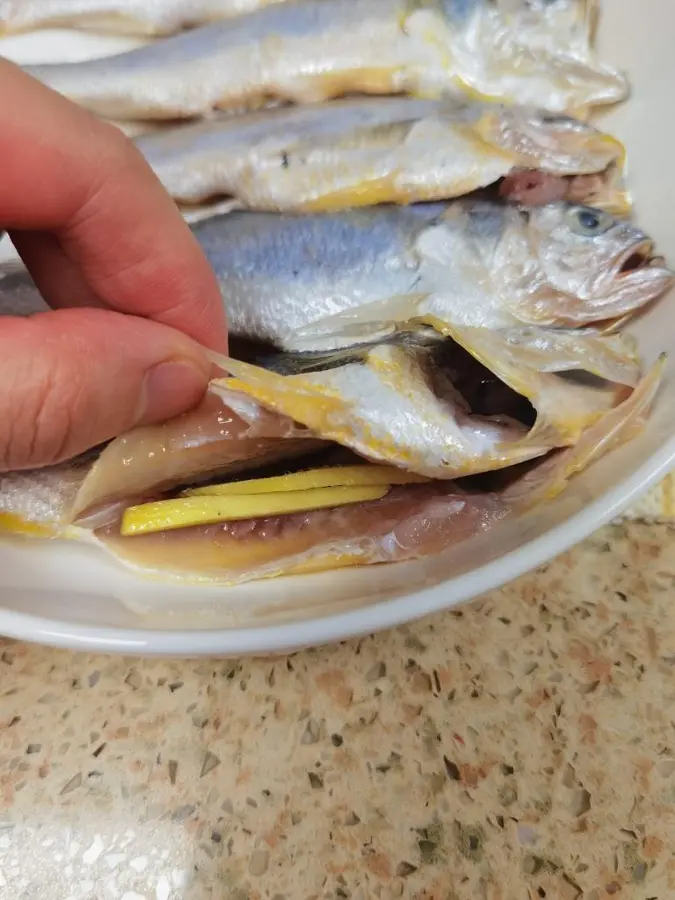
{"x":584,"y":265}
{"x":542,"y":53}
{"x":551,"y":142}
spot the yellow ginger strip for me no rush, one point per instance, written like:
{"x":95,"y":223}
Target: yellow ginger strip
{"x":333,"y":476}
{"x":166,"y":515}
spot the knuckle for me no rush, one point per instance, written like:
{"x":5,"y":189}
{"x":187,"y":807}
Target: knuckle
{"x":114,"y":147}
{"x":118,"y":156}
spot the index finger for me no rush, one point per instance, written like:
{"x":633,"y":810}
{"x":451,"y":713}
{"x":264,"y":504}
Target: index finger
{"x":66,"y":172}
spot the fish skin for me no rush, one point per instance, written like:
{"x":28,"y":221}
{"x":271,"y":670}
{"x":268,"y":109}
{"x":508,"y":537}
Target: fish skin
{"x":296,"y":281}
{"x":40,"y":501}
{"x":211,"y":439}
{"x":304,"y":52}
{"x":356,"y":152}
{"x":133,"y":17}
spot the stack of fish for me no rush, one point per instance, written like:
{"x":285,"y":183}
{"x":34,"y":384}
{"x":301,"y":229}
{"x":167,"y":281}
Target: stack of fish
{"x":430,"y":285}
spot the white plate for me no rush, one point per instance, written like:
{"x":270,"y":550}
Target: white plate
{"x":71,"y":596}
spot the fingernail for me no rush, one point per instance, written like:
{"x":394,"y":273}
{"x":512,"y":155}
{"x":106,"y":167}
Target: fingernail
{"x":169,"y":389}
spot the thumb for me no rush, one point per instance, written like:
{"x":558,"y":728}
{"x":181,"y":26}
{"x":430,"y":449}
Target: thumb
{"x":71,"y":379}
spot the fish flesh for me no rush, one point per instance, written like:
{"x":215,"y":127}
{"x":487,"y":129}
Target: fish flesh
{"x":133,"y":17}
{"x":360,"y":152}
{"x":537,"y":54}
{"x":472,"y":262}
{"x":407,"y":523}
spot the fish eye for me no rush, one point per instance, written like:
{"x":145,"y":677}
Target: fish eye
{"x":589,"y":222}
{"x":554,"y":119}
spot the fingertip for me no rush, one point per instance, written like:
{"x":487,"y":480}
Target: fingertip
{"x":169,"y":389}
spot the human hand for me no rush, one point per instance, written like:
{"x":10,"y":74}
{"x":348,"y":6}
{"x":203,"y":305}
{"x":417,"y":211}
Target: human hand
{"x":132,"y":295}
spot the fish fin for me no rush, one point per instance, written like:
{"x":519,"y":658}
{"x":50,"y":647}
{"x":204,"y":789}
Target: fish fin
{"x":305,"y":362}
{"x":531,"y":362}
{"x":370,"y":323}
{"x":617,"y":427}
{"x":613,"y":196}
{"x":611,"y":357}
{"x":193,"y":214}
{"x":295,"y":396}
{"x":414,"y":337}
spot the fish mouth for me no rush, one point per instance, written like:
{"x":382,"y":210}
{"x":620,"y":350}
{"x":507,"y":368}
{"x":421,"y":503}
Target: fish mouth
{"x":637,"y":278}
{"x":638,"y":266}
{"x":636,"y":258}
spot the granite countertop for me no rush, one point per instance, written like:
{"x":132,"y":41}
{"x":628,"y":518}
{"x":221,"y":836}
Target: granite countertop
{"x":519,"y":748}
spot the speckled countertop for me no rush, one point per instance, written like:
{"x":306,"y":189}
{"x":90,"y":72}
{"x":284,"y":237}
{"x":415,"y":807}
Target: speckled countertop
{"x":522,"y":747}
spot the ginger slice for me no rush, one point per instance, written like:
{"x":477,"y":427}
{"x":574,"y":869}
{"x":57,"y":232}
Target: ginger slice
{"x":166,"y":515}
{"x":331,"y":476}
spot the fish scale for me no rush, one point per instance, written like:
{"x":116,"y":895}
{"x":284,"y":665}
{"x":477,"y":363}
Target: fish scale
{"x":269,"y":266}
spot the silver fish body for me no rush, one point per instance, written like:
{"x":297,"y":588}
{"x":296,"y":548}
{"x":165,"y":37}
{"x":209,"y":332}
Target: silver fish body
{"x":304,"y":51}
{"x":357,"y":152}
{"x":320,"y":281}
{"x":278,"y":273}
{"x":468,"y":262}
{"x":134,"y":17}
